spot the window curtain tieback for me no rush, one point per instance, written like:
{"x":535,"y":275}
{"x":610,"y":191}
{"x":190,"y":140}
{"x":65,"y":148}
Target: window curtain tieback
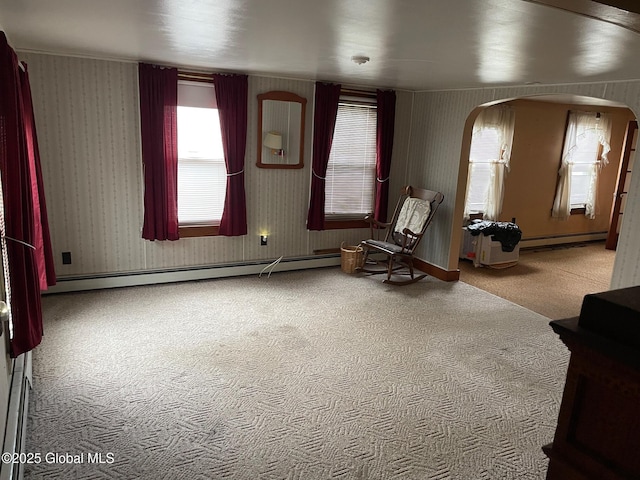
{"x":235,"y":173}
{"x":22,"y":242}
{"x":318,"y":176}
{"x":382,"y":181}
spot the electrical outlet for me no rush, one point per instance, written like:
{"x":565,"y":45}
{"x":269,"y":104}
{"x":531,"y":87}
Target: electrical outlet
{"x":66,"y":258}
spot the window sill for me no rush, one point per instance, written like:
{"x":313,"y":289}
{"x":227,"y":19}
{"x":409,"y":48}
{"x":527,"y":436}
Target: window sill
{"x":578,"y":211}
{"x":199,"y":231}
{"x":343,"y":224}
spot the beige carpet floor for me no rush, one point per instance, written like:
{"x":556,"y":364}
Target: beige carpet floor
{"x":304,"y":375}
{"x":549,"y":281}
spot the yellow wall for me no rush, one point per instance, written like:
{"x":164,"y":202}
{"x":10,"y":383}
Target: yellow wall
{"x":535,"y":158}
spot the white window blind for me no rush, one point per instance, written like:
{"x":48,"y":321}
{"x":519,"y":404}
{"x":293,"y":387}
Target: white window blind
{"x":485,"y":149}
{"x":351,"y":172}
{"x":202,"y":174}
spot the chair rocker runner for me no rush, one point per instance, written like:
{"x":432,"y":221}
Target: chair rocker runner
{"x":413,"y":214}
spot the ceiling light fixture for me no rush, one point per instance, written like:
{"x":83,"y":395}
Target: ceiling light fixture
{"x":360,"y":59}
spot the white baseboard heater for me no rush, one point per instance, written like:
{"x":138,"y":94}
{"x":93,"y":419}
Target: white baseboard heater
{"x":129,"y":279}
{"x":562,"y":239}
{"x":16,"y":428}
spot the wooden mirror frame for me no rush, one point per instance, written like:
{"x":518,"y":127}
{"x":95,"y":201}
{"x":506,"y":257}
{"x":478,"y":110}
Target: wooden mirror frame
{"x":282,"y":97}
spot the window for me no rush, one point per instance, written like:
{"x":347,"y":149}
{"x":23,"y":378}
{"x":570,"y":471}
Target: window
{"x":585,"y":157}
{"x":485,"y":148}
{"x":351,"y":171}
{"x":489,"y":158}
{"x":202,"y":174}
{"x":586,"y":145}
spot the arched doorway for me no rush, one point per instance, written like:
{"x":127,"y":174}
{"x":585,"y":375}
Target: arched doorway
{"x":530,"y":189}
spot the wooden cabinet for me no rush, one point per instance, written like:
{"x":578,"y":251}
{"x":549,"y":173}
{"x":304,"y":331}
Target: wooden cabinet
{"x":622,"y":187}
{"x":598,"y":431}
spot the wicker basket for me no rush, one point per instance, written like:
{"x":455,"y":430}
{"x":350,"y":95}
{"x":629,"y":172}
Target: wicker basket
{"x":351,"y":257}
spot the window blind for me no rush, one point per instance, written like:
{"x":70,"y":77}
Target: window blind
{"x":202,"y":174}
{"x":485,"y":148}
{"x":351,"y":171}
{"x":201,"y":187}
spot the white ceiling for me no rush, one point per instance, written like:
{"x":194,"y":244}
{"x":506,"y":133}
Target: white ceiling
{"x":413,"y":44}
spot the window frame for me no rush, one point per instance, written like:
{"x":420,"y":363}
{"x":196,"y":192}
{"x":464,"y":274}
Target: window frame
{"x":580,"y":209}
{"x":353,"y":96}
{"x":500,"y":149}
{"x":500,"y":121}
{"x":578,"y":122}
{"x":213,"y":229}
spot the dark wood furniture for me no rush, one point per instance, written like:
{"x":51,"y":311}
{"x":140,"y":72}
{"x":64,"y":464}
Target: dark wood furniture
{"x":598,"y":432}
{"x":626,"y":169}
{"x":416,"y":207}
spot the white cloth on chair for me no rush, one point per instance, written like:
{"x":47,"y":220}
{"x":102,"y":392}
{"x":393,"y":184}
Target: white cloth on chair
{"x":413,"y":214}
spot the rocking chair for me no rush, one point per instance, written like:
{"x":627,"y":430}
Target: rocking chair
{"x":413,"y":214}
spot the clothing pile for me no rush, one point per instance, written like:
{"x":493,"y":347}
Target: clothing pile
{"x":507,"y":233}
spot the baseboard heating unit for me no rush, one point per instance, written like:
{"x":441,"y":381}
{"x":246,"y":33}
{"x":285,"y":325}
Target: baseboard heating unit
{"x":16,"y":428}
{"x":203,"y":272}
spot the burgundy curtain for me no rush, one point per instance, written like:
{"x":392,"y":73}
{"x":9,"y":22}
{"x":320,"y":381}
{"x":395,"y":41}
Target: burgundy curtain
{"x":42,"y":240}
{"x":158,"y":122}
{"x":231,"y":97}
{"x":324,"y":122}
{"x":23,"y":218}
{"x":386,"y":114}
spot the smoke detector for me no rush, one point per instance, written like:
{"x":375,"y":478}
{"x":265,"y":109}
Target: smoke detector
{"x":360,"y":59}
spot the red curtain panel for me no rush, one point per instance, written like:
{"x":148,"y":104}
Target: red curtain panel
{"x":158,"y":121}
{"x":231,"y":97}
{"x":42,"y":240}
{"x":386,"y":114}
{"x":24,"y":219}
{"x":324,"y":122}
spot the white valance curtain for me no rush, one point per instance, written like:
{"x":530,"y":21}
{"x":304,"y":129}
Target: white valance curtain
{"x":500,"y":119}
{"x":582,"y":127}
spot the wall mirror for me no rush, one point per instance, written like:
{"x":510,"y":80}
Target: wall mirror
{"x":281,"y":130}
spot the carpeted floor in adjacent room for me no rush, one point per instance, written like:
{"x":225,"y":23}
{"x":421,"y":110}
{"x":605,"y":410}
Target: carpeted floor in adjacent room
{"x":304,"y":375}
{"x":549,"y":280}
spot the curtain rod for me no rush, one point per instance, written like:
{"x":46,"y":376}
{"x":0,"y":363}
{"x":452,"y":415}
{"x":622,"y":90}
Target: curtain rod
{"x":357,"y":92}
{"x":195,"y":76}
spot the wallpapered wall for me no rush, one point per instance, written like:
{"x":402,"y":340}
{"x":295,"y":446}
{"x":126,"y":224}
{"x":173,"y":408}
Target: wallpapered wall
{"x":88,"y":128}
{"x":435,"y":151}
{"x":89,"y":135}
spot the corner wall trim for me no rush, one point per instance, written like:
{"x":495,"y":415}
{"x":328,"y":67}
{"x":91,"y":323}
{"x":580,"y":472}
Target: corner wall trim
{"x":17,"y":414}
{"x":436,"y":271}
{"x":130,"y":279}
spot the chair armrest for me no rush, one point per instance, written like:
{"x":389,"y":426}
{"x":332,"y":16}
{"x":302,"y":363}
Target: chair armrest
{"x":373,"y":223}
{"x":370,"y":219}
